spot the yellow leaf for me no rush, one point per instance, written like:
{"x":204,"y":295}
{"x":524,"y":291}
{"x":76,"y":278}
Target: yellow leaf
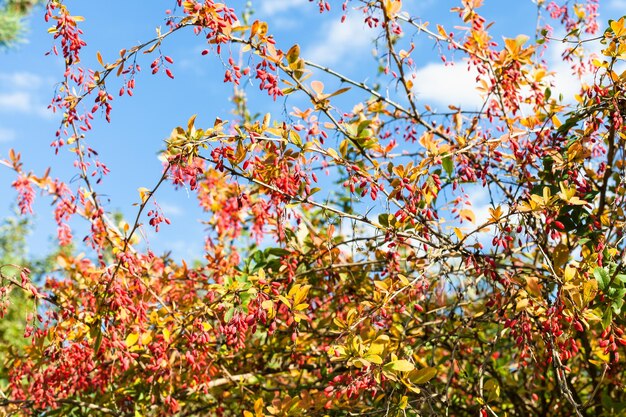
{"x":132,"y":339}
{"x":442,"y":31}
{"x":360,"y":363}
{"x":373,"y":359}
{"x":521,"y":305}
{"x":293,"y":54}
{"x":413,"y":388}
{"x":617,"y":26}
{"x":579,"y":11}
{"x":404,"y":401}
{"x":590,"y":289}
{"x":378,"y":346}
{"x":400,"y":365}
{"x":298,"y":317}
{"x":560,"y":255}
{"x":284,"y":301}
{"x":301,"y":306}
{"x":191,"y":122}
{"x":146,"y":338}
{"x":300,"y":294}
{"x":392,"y":7}
{"x":144,"y":194}
{"x":403,"y":280}
{"x":496,"y":214}
{"x":258,"y":407}
{"x":166,"y":335}
{"x":569,"y":274}
{"x":381,"y":285}
{"x":332,"y":153}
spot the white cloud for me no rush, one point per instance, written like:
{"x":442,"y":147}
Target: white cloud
{"x":565,"y":82}
{"x":273,"y":7}
{"x":454,"y":84}
{"x":7,"y":135}
{"x":341,"y":41}
{"x":21,"y":80}
{"x":19,"y":101}
{"x":447,"y":84}
{"x":21,"y":92}
{"x":479,"y":204}
{"x":23,"y":102}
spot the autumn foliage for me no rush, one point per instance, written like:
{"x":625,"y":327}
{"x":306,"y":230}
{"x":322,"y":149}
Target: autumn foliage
{"x":346,"y":270}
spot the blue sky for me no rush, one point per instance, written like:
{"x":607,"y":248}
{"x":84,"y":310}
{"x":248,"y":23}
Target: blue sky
{"x":129,"y":144}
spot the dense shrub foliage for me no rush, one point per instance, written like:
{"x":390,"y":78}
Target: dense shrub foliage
{"x":347,"y":269}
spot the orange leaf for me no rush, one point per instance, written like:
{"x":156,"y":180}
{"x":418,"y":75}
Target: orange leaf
{"x":467,"y":214}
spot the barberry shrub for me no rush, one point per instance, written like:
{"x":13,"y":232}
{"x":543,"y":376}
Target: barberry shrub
{"x":348,"y":267}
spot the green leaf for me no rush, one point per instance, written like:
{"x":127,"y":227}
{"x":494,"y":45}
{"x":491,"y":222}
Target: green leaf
{"x":569,"y":123}
{"x":602,"y":277}
{"x":362,"y":126}
{"x":422,"y":376}
{"x":96,"y":331}
{"x":295,"y":138}
{"x":383,"y":219}
{"x":277,"y":252}
{"x":258,"y":257}
{"x":607,"y":318}
{"x":229,"y":314}
{"x":447,"y":165}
